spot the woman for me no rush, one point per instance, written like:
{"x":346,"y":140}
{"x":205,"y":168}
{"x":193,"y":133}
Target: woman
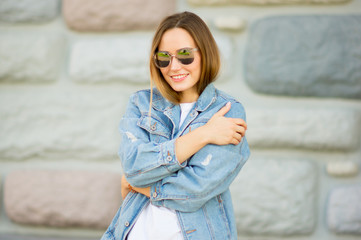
{"x":182,"y":143}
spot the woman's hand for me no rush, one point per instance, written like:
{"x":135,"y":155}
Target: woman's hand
{"x":124,"y":187}
{"x":221,"y":130}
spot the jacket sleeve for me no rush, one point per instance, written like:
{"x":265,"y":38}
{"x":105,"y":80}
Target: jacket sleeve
{"x":208,"y":173}
{"x":144,"y":162}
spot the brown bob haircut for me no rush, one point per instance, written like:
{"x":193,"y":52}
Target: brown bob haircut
{"x":210,"y":60}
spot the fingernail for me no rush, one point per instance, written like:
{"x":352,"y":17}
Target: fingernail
{"x":228,"y":104}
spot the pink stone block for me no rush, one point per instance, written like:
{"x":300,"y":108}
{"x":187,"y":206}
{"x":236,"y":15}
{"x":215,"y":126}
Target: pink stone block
{"x":115,"y":15}
{"x":62,"y":198}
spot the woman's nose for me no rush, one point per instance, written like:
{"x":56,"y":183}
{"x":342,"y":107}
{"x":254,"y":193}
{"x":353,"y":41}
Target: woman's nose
{"x":174,"y":63}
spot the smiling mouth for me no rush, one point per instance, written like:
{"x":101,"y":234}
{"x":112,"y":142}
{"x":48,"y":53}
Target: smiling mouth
{"x":180,"y":77}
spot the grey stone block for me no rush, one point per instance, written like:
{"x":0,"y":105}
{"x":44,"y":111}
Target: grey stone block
{"x":319,"y":129}
{"x":59,"y":123}
{"x":62,"y":198}
{"x":29,"y":57}
{"x":344,"y":210}
{"x":111,"y":60}
{"x":226,"y":50}
{"x":275,"y":197}
{"x":305,"y":56}
{"x":23,"y":11}
{"x":126,"y":59}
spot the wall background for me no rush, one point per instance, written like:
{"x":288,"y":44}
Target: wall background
{"x":67,"y":69}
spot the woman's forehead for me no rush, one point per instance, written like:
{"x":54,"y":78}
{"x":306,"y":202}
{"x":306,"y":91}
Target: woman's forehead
{"x":174,"y":39}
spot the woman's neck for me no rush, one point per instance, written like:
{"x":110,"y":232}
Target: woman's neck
{"x":188,"y":97}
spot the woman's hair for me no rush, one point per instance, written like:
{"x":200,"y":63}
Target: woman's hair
{"x":210,"y":61}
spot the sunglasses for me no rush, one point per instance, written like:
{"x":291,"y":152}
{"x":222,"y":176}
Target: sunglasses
{"x":185,"y":56}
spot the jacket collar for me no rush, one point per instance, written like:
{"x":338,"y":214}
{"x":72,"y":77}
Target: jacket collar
{"x":207,"y":97}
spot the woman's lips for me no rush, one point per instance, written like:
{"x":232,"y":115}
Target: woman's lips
{"x":179,"y":77}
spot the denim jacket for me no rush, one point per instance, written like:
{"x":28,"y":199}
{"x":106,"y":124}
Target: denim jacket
{"x":198,"y":189}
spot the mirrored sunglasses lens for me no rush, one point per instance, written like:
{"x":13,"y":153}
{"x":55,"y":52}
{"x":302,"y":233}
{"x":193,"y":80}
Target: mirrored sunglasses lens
{"x":162,"y":59}
{"x":185,"y":56}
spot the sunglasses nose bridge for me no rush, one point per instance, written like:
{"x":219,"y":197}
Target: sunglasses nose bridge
{"x":175,"y":62}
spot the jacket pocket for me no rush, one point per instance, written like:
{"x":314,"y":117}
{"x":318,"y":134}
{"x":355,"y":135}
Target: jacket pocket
{"x":196,"y":124}
{"x":155,"y":126}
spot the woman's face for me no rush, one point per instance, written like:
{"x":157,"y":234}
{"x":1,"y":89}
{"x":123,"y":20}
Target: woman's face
{"x":182,"y":78}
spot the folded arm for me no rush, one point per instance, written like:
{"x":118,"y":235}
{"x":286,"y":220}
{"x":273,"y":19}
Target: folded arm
{"x":144,"y":162}
{"x":219,"y":151}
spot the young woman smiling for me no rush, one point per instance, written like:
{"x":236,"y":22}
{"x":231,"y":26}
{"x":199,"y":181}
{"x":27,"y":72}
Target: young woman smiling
{"x":183,"y":143}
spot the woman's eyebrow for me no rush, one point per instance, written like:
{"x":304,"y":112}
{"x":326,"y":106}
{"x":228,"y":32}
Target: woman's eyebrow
{"x":175,"y":50}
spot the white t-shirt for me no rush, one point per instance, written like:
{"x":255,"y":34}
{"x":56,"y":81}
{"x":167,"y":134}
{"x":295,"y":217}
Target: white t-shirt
{"x":159,"y":223}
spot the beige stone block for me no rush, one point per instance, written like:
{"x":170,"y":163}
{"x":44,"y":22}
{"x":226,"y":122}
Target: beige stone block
{"x":230,"y":23}
{"x":62,"y":198}
{"x":120,"y":15}
{"x":342,"y":168}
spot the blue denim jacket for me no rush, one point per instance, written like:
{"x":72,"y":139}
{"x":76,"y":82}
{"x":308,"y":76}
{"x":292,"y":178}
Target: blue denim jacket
{"x":198,"y":189}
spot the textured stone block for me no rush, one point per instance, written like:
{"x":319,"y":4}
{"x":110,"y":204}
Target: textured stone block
{"x":30,"y":58}
{"x":62,"y":198}
{"x":110,"y":15}
{"x":305,"y":56}
{"x":1,"y":190}
{"x":319,"y":129}
{"x":23,"y":11}
{"x":59,"y":123}
{"x":342,"y":168}
{"x":226,"y":51}
{"x":262,"y":2}
{"x":232,"y":23}
{"x":344,"y":210}
{"x":126,"y":59}
{"x":111,"y":60}
{"x":275,"y":197}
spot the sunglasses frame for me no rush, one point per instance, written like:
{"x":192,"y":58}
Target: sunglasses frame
{"x":173,"y":55}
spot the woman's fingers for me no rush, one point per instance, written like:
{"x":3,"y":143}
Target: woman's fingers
{"x":124,"y":187}
{"x":223,"y":130}
{"x":238,"y":134}
{"x":235,"y":141}
{"x":237,"y":138}
{"x":241,"y":130}
{"x":223,"y":110}
{"x":240,"y":122}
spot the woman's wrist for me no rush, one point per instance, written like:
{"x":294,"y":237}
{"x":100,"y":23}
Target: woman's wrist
{"x":204,"y":135}
{"x":144,"y":191}
{"x":190,"y":143}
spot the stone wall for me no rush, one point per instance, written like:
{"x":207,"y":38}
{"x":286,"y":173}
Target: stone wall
{"x":68,"y":67}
